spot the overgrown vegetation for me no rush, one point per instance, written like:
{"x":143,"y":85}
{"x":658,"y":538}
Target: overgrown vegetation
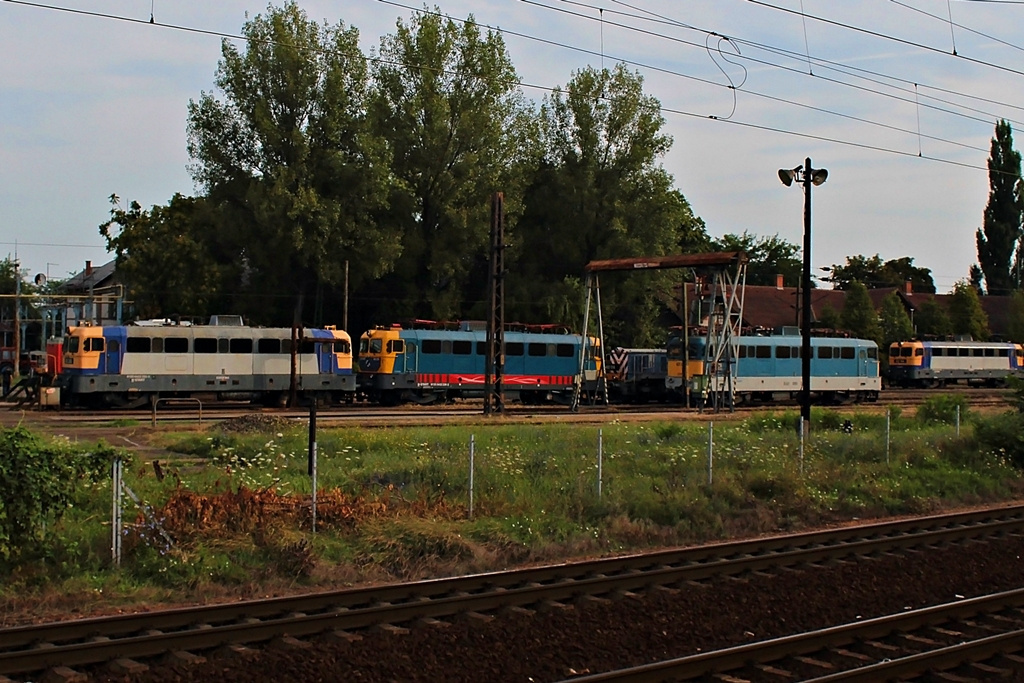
{"x":234,"y":513}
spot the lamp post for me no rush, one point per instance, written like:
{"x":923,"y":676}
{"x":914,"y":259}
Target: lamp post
{"x":807,"y":176}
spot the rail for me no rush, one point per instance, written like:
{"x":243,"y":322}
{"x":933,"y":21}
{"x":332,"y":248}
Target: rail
{"x":36,"y":647}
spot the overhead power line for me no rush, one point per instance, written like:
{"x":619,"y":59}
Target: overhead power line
{"x":549,"y":89}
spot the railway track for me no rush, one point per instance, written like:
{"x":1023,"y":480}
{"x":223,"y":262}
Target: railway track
{"x":26,"y":651}
{"x":979,"y":636}
{"x":977,"y":398}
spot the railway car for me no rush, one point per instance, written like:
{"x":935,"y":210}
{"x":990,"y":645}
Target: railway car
{"x":770,"y":368}
{"x":128,"y":365}
{"x":936,"y":363}
{"x":427,"y":362}
{"x":637,"y":375}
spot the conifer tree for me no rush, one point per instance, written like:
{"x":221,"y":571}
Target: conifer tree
{"x":1001,"y":230}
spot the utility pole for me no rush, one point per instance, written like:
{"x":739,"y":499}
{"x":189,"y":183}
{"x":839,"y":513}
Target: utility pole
{"x":17,"y":317}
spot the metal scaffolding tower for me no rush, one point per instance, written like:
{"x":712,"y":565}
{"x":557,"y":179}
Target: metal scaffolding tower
{"x":727,"y":271}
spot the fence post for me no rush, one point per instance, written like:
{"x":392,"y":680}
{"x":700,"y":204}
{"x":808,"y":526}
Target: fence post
{"x":711,"y":451}
{"x":312,"y":454}
{"x":472,"y":453}
{"x":115,"y":513}
{"x":600,"y":459}
{"x":958,"y":422}
{"x":887,"y":432}
{"x":802,"y":431}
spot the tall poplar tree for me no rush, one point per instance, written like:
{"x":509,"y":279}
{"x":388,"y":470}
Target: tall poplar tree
{"x":287,"y":156}
{"x":599,"y":191}
{"x":1001,"y":231}
{"x":447,"y":98}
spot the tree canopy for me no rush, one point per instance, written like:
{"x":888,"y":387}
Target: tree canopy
{"x":873,"y":273}
{"x":769,"y":257}
{"x":446,"y":96}
{"x":288,"y":157}
{"x":598,"y":191}
{"x":966,"y":314}
{"x":932,"y":320}
{"x":859,"y":315}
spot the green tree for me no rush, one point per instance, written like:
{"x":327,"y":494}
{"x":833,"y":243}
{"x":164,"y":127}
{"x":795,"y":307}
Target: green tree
{"x":828,"y":318}
{"x":894,"y":321}
{"x":932,"y":320}
{"x":168,"y":260}
{"x":446,"y":96}
{"x":965,"y":312}
{"x":859,"y":315}
{"x":1004,"y":215}
{"x":874,"y":274}
{"x":769,"y":257}
{"x":290,"y":160}
{"x":1015,"y":311}
{"x":599,"y":192}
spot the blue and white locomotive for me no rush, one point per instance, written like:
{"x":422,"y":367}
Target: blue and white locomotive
{"x":770,"y":368}
{"x":128,"y":365}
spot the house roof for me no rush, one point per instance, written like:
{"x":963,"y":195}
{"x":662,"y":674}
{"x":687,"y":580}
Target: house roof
{"x":773,"y":307}
{"x":90,"y":278}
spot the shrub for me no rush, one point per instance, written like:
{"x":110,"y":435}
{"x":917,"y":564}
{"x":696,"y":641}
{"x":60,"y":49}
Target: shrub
{"x":38,"y":480}
{"x":1003,"y":435}
{"x":942,"y":409}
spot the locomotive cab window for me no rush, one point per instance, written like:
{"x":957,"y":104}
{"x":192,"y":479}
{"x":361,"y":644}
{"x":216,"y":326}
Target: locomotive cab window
{"x":462,"y":348}
{"x":514,"y":348}
{"x":825,"y":352}
{"x":847,"y":352}
{"x":782,"y":352}
{"x":394,"y":346}
{"x":536,"y":349}
{"x":342,"y":346}
{"x":763,"y":351}
{"x":872,"y":353}
{"x":93,"y":344}
{"x":564,"y":350}
{"x":431,"y":346}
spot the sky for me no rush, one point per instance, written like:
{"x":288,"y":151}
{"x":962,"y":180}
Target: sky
{"x":896,"y":99}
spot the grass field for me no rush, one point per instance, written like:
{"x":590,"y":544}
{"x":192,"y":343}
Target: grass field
{"x":231,"y":513}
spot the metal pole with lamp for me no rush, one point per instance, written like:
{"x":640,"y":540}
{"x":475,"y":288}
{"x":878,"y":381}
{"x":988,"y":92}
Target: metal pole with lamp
{"x":807,"y":176}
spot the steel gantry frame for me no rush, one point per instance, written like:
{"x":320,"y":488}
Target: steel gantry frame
{"x":728,"y":274}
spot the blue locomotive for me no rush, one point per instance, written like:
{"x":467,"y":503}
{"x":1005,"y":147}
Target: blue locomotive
{"x":428,"y":362}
